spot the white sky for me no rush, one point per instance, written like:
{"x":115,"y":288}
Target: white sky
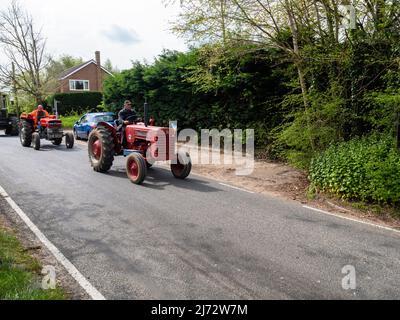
{"x":122,"y":30}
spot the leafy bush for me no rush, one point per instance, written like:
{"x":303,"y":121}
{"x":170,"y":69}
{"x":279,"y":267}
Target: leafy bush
{"x":70,"y":119}
{"x":235,"y":92}
{"x":76,"y":102}
{"x":364,"y":169}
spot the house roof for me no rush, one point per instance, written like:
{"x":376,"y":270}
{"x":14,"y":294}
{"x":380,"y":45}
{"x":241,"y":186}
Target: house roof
{"x":75,"y":69}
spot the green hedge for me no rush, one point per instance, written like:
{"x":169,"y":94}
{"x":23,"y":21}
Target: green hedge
{"x":76,"y":102}
{"x":364,"y":169}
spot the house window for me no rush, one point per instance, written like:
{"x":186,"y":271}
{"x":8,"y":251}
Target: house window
{"x":79,"y":85}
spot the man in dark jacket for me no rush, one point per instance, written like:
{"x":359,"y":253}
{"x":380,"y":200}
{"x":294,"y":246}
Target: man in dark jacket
{"x":125,"y":117}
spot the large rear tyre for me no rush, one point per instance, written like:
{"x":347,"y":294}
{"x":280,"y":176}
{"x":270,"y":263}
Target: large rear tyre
{"x":25,"y":134}
{"x":14,"y":130}
{"x":36,"y":141}
{"x":101,"y":149}
{"x":136,"y":168}
{"x":182,"y":169}
{"x":69,"y":140}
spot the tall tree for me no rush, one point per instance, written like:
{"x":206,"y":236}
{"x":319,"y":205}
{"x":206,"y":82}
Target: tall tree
{"x":24,"y":46}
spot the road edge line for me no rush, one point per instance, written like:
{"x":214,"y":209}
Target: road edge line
{"x":352,"y":219}
{"x":236,"y":188}
{"x":72,"y":270}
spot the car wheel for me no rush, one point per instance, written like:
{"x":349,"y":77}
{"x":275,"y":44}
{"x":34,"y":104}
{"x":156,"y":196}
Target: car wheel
{"x":76,"y":135}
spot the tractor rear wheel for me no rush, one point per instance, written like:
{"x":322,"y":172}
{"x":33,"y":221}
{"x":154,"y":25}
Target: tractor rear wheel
{"x":69,"y":140}
{"x":182,"y":169}
{"x":36,"y":141}
{"x":101,"y":149}
{"x":25,"y":134}
{"x":14,"y":131}
{"x":136,"y":168}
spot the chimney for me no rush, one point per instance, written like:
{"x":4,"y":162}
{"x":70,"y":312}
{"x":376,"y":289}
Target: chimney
{"x":99,"y":72}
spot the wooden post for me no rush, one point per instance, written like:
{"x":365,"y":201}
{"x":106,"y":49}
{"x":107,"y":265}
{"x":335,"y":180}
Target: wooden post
{"x":14,"y":84}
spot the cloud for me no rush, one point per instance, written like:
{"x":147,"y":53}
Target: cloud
{"x":122,"y":35}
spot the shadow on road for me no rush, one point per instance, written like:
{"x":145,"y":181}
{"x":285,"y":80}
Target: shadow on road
{"x":3,"y":136}
{"x":159,"y":178}
{"x":62,"y":148}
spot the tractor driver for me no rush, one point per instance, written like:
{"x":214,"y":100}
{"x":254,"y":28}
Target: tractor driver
{"x":125,"y":117}
{"x":38,"y":114}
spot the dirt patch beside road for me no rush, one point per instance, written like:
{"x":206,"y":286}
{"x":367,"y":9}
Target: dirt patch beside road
{"x":268,"y":178}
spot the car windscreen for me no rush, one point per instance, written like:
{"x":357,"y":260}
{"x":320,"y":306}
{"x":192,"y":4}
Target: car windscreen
{"x":104,"y":118}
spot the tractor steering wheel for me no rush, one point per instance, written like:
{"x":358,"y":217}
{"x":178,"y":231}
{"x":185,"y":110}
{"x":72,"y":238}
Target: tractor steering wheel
{"x":131,"y":118}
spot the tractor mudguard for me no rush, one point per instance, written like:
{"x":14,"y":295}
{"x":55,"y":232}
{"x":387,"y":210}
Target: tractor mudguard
{"x":109,"y":127}
{"x":114,"y":134}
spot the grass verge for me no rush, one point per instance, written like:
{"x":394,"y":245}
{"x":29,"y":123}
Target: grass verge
{"x":69,"y":121}
{"x":20,"y":277}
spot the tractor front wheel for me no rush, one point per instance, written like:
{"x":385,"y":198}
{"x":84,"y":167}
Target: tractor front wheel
{"x":136,"y":168}
{"x":183,"y":167}
{"x":69,"y":140}
{"x":101,"y":149}
{"x":36,"y":141}
{"x":25,"y":134}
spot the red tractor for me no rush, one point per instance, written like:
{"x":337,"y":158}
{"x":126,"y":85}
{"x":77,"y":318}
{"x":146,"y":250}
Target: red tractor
{"x":49,"y":128}
{"x":143,"y":144}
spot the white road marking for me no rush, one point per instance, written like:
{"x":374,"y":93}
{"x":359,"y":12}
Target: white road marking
{"x":73,"y":271}
{"x":236,"y":188}
{"x":352,"y":219}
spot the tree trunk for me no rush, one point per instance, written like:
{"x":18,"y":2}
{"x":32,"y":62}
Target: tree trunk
{"x":299,"y":64}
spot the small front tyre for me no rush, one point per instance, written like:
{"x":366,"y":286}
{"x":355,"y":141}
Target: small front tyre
{"x":69,"y":140}
{"x":136,"y":168}
{"x":181,"y":170}
{"x":36,"y":141}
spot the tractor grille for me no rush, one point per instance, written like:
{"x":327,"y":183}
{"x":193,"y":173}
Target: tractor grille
{"x":54,"y":134}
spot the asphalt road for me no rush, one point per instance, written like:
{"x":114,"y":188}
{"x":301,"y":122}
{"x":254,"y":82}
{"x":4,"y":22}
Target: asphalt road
{"x":193,"y":239}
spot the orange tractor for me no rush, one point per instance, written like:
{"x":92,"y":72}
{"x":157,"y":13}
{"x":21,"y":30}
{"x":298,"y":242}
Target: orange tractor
{"x":32,"y":130}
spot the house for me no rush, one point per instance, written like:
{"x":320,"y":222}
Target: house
{"x":88,"y":76}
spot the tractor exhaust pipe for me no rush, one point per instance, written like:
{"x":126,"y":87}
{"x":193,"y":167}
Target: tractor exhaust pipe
{"x":146,"y":113}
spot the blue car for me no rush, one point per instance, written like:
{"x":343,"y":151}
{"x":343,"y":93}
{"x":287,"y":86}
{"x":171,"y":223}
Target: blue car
{"x":88,"y":122}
